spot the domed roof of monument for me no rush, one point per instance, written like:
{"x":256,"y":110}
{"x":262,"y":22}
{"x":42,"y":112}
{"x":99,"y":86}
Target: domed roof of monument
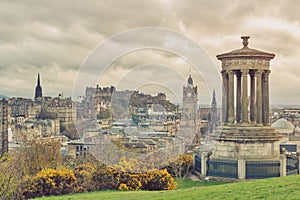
{"x":190,"y":80}
{"x":246,"y":52}
{"x":283,"y":126}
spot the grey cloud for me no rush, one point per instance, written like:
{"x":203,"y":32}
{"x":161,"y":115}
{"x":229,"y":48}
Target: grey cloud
{"x":54,"y":37}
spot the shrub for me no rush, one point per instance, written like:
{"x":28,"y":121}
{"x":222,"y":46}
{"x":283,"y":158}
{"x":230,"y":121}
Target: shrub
{"x":134,"y":181}
{"x":123,"y":187}
{"x":106,"y":178}
{"x":84,"y":175}
{"x":158,"y":180}
{"x":181,"y":166}
{"x":49,"y":182}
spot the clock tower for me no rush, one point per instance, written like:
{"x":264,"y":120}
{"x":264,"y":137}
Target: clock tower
{"x":189,"y":110}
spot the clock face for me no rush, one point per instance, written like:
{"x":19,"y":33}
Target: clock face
{"x":189,"y":94}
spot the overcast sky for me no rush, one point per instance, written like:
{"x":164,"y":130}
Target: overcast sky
{"x":56,"y":37}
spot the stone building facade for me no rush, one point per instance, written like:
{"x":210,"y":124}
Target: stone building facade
{"x":3,"y":127}
{"x":189,"y":123}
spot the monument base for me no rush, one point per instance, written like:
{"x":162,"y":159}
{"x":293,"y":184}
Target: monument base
{"x":246,"y":142}
{"x":244,"y":152}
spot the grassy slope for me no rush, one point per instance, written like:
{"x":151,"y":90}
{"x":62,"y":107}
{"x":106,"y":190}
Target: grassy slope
{"x":275,"y":188}
{"x":188,"y":183}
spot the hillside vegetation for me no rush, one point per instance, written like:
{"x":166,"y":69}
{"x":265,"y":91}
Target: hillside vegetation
{"x":274,"y":188}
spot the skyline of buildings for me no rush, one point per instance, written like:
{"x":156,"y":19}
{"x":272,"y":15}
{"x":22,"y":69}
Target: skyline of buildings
{"x":146,"y":123}
{"x":38,"y":92}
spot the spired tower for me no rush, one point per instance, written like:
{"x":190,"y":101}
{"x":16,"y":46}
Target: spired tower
{"x":213,"y":114}
{"x":189,"y":111}
{"x":38,"y":88}
{"x":246,"y":145}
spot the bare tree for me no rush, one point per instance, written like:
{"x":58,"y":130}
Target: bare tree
{"x":181,"y":167}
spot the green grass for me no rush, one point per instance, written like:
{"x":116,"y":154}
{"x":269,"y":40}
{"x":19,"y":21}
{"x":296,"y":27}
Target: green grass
{"x":274,"y":188}
{"x":188,"y":183}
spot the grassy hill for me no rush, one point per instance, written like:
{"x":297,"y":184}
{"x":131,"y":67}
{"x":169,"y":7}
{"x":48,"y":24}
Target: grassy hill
{"x":274,"y":188}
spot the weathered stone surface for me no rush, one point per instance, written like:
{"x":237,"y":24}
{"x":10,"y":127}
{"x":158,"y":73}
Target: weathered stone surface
{"x":243,"y":138}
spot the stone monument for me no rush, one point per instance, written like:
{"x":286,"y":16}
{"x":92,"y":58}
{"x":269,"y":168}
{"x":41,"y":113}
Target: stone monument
{"x":246,"y":145}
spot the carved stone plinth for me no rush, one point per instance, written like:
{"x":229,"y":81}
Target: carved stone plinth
{"x":247,"y":142}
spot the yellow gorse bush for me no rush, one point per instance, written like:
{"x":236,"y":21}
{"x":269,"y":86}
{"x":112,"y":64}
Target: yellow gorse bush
{"x":87,"y":178}
{"x":49,"y":182}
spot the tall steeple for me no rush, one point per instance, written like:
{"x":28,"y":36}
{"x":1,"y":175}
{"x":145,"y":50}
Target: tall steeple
{"x":213,"y":113}
{"x":38,"y":88}
{"x":38,"y":81}
{"x":214,"y":101}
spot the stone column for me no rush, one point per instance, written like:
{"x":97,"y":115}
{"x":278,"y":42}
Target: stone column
{"x":266,"y":119}
{"x":252,"y":98}
{"x":230,"y":97}
{"x":258,"y":98}
{"x":227,"y":95}
{"x":203,"y":164}
{"x":244,"y":96}
{"x":241,"y":169}
{"x":282,"y":165}
{"x":298,"y":154}
{"x":238,"y":97}
{"x":224,"y":97}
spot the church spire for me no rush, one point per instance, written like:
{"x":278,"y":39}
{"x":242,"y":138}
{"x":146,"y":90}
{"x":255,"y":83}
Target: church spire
{"x":38,"y":88}
{"x":214,"y":101}
{"x":38,"y":81}
{"x":213,"y":113}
